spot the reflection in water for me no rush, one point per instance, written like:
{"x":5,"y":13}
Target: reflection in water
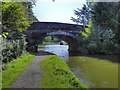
{"x":93,"y":72}
{"x":59,"y":50}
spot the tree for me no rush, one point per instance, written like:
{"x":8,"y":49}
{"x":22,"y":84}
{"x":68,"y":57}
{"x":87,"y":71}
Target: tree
{"x":27,"y":6}
{"x":103,"y":32}
{"x":107,"y":16}
{"x":83,"y":15}
{"x":13,"y":17}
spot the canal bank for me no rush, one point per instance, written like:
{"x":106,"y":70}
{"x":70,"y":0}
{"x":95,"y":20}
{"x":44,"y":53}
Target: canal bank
{"x":57,"y":74}
{"x":93,"y":71}
{"x":44,"y":71}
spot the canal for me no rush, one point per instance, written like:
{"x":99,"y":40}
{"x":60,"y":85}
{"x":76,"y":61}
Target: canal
{"x":95,"y":71}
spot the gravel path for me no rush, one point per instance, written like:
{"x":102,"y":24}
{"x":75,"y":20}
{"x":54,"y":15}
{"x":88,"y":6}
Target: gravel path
{"x":31,"y":77}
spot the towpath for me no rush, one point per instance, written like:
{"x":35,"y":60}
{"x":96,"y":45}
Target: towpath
{"x":32,"y":76}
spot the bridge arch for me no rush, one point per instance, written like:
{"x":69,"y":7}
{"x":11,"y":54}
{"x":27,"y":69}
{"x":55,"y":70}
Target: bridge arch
{"x":69,"y":38}
{"x":39,"y":30}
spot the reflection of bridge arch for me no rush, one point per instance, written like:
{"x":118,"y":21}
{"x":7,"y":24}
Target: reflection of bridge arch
{"x":39,"y":30}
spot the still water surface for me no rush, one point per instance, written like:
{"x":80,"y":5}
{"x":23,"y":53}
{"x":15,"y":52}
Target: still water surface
{"x":91,"y":71}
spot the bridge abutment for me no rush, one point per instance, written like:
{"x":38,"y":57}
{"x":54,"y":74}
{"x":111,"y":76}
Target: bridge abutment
{"x":32,"y":46}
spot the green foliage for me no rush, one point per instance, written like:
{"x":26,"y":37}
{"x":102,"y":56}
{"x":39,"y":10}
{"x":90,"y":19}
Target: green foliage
{"x":1,"y":46}
{"x":57,"y":74}
{"x":87,"y":30}
{"x":12,"y":48}
{"x":13,"y":17}
{"x":107,"y":16}
{"x":50,"y":40}
{"x":47,"y":39}
{"x":102,"y":35}
{"x":5,"y":34}
{"x":14,"y":69}
{"x":0,"y":81}
{"x":100,"y":42}
{"x":27,"y":6}
{"x":83,"y":15}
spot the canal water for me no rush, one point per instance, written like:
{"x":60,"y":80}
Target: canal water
{"x":93,"y":71}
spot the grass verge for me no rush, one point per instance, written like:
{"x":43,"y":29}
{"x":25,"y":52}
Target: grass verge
{"x":14,"y":69}
{"x":57,"y":74}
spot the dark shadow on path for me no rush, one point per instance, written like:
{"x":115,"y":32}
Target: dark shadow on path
{"x":41,"y":53}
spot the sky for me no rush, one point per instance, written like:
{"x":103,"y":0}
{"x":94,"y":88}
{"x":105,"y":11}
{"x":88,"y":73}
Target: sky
{"x":58,"y":11}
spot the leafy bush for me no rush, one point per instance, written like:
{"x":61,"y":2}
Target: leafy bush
{"x":92,"y":47}
{"x":12,"y":48}
{"x":99,"y":41}
{"x":13,"y":17}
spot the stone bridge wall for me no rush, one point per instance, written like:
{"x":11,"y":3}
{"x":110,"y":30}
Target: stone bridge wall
{"x":39,"y":30}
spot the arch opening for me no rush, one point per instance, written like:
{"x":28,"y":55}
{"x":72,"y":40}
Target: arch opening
{"x":72,"y":42}
{"x":35,"y":38}
{"x":50,"y":40}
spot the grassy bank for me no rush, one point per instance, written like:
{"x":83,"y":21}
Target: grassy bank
{"x":57,"y":74}
{"x":14,"y":69}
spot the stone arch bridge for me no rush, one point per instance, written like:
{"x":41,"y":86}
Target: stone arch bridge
{"x":39,"y":30}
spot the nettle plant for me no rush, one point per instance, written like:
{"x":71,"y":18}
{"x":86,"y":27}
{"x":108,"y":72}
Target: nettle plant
{"x":12,"y":48}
